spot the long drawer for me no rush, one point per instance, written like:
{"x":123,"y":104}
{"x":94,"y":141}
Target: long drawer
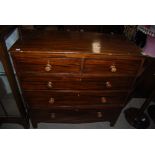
{"x":45,"y":64}
{"x":59,"y":98}
{"x":49,"y":82}
{"x":74,"y":116}
{"x":114,"y":66}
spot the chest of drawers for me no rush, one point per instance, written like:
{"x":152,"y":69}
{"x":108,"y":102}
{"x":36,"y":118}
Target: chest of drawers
{"x":73,"y":77}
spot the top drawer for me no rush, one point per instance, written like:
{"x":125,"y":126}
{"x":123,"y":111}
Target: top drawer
{"x":45,"y":63}
{"x":111,"y":66}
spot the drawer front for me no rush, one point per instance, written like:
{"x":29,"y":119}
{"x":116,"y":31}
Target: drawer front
{"x":34,"y":82}
{"x":74,"y":116}
{"x":111,"y":66}
{"x":56,"y":99}
{"x":45,"y":64}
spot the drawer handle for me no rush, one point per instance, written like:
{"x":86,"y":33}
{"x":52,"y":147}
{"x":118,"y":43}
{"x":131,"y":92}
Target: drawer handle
{"x":108,"y":84}
{"x":50,"y":84}
{"x":113,"y":68}
{"x":48,"y":67}
{"x":103,"y":99}
{"x":99,"y":114}
{"x":52,"y":115}
{"x":51,"y":100}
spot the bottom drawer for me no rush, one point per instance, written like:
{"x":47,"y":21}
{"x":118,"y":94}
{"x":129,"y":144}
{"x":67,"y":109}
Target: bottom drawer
{"x":74,"y":116}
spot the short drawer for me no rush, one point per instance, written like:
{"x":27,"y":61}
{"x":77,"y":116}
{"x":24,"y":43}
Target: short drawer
{"x":111,"y":66}
{"x":57,"y":99}
{"x":48,"y":82}
{"x":45,"y":64}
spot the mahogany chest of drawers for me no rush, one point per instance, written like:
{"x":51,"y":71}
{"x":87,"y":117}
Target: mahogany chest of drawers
{"x":73,"y":77}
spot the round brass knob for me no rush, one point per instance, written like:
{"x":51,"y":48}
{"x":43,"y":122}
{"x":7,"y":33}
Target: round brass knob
{"x":113,"y":68}
{"x":50,"y":84}
{"x":51,"y":100}
{"x":48,"y":67}
{"x":99,"y":114}
{"x":108,"y":84}
{"x":52,"y":115}
{"x":103,"y":99}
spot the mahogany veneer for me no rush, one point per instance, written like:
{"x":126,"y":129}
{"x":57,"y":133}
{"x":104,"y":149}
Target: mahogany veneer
{"x":75,"y":77}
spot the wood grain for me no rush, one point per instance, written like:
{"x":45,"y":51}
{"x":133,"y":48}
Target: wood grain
{"x":38,"y":82}
{"x":28,"y":63}
{"x":78,"y":75}
{"x":76,"y":42}
{"x":103,"y":66}
{"x":74,"y":116}
{"x":41,"y":98}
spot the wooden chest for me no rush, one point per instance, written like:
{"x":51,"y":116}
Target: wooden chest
{"x":73,"y":77}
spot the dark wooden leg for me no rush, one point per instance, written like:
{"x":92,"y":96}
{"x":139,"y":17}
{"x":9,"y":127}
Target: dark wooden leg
{"x":114,"y":119}
{"x":112,"y":123}
{"x":34,"y":124}
{"x":26,"y":125}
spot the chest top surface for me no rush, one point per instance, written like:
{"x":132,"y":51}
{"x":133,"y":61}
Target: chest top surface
{"x":75,"y":42}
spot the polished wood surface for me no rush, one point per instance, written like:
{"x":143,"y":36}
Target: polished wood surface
{"x":74,"y":116}
{"x":66,"y":82}
{"x":74,"y":42}
{"x":104,"y":66}
{"x":42,"y":98}
{"x":75,"y":71}
{"x":36,"y":63}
